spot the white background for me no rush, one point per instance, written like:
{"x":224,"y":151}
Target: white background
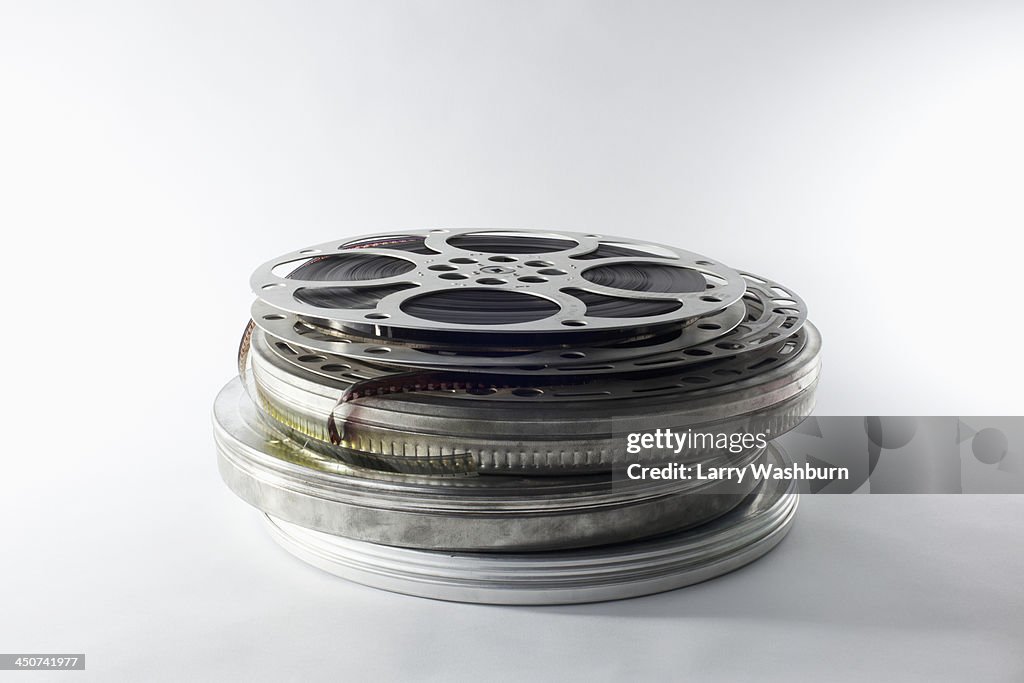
{"x":869,"y":155}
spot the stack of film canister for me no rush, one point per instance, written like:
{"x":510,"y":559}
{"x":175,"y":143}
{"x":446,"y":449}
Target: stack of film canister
{"x":445,"y":412}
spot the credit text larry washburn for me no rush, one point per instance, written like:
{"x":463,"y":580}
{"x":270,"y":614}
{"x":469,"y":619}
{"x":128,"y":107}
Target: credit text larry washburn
{"x":757,"y":470}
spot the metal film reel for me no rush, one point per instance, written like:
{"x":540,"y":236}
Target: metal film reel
{"x":767,"y":312}
{"x":495,"y":282}
{"x":595,"y":574}
{"x":549,"y":429}
{"x":612,"y":572}
{"x":566,"y":385}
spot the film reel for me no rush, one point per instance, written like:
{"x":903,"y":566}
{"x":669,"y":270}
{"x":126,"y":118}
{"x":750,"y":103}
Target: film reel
{"x":767,"y":312}
{"x":611,"y":572}
{"x":542,"y":429}
{"x":488,"y":282}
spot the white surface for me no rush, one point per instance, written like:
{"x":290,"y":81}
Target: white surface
{"x":151,"y":154}
{"x":901,"y":588}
